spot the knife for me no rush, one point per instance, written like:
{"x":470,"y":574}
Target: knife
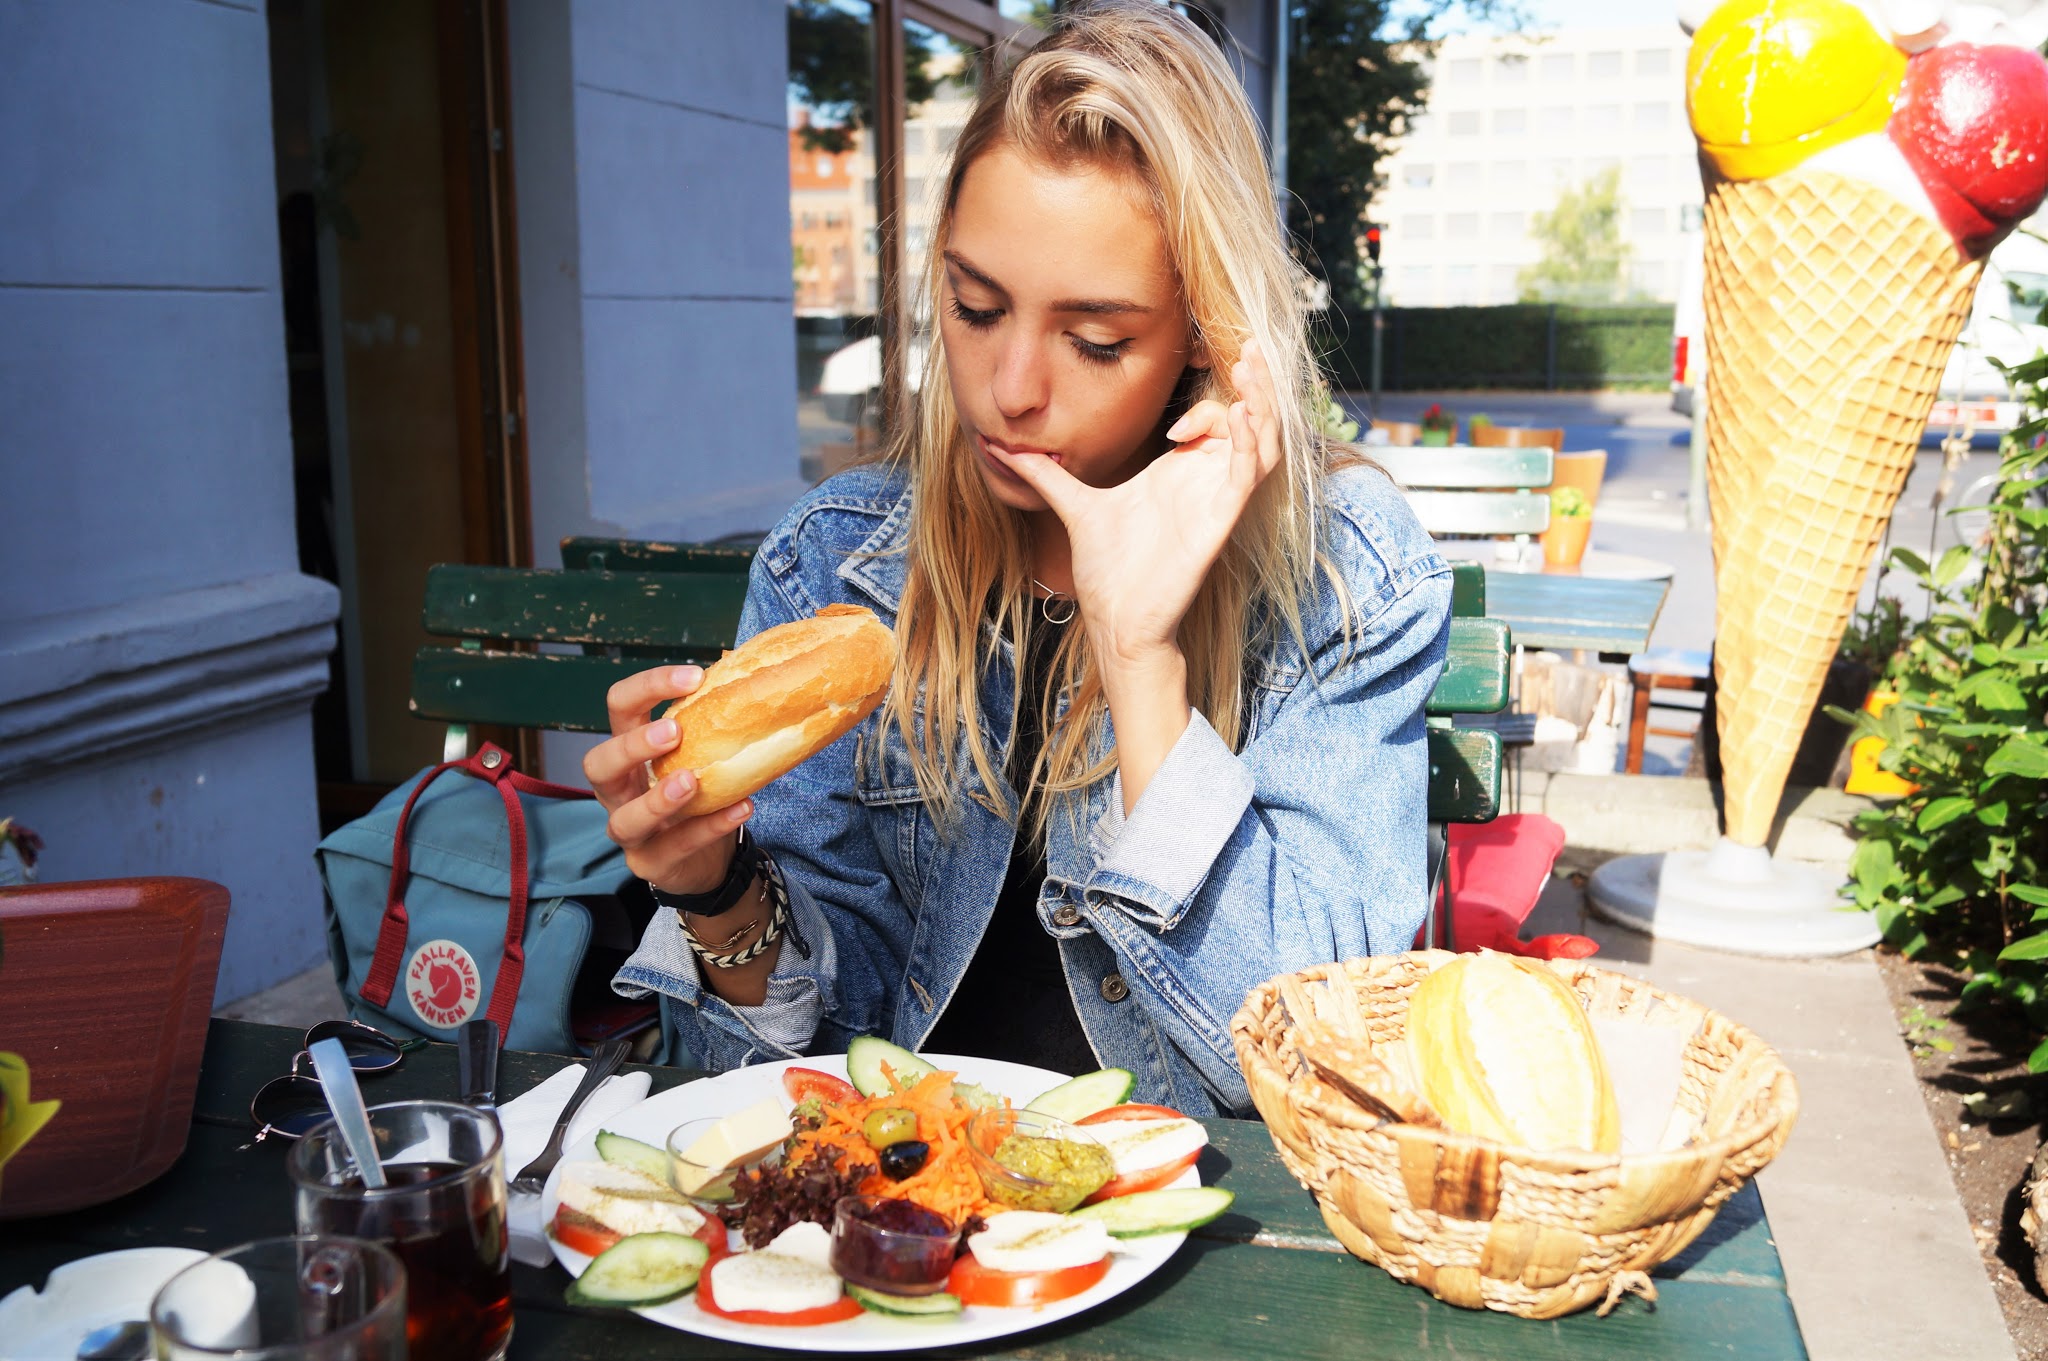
{"x":476,"y":1056}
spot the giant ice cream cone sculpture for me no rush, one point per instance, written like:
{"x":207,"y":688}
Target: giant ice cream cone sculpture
{"x":1852,"y":191}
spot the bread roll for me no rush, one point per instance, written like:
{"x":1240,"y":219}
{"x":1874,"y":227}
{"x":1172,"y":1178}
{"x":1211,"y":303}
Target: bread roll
{"x":783,"y":696}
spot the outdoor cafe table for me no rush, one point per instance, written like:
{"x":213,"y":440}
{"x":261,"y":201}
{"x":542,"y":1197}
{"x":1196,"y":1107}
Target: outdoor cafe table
{"x":1266,"y":1280}
{"x":1573,"y":613}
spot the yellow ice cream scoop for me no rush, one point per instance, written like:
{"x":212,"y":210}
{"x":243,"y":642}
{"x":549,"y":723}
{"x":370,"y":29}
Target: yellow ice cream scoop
{"x":1771,"y":82}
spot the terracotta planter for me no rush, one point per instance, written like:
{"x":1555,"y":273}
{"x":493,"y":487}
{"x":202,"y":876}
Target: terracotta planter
{"x":1564,"y":543}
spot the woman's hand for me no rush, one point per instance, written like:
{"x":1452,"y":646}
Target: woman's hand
{"x":676,"y":854}
{"x":1141,"y":549}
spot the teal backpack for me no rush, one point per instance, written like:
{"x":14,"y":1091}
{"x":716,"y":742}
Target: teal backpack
{"x":489,"y":893}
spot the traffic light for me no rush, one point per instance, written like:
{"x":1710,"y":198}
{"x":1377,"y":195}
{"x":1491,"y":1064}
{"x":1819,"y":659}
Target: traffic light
{"x":1372,"y":242}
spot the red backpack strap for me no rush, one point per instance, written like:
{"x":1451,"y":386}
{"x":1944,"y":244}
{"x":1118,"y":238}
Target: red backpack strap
{"x":492,"y":763}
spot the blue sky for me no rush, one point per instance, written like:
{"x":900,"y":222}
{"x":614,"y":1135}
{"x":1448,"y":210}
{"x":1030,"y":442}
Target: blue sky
{"x":1598,"y":13}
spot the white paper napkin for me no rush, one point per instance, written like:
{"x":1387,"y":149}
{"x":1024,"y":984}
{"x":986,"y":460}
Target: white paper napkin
{"x":529,"y":1119}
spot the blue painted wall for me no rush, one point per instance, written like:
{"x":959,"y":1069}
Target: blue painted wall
{"x":158,"y":646}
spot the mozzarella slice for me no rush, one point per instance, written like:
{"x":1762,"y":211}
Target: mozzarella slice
{"x":1140,"y":1145}
{"x":624,"y":1201}
{"x":1031,"y":1240}
{"x":788,"y":1275}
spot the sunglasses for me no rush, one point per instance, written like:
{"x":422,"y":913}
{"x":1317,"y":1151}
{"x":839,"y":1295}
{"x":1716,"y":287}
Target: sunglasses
{"x":286,"y":1107}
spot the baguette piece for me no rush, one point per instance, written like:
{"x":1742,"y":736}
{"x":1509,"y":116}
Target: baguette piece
{"x":784,"y":695}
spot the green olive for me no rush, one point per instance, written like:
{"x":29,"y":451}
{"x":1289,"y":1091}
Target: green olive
{"x":890,"y":1125}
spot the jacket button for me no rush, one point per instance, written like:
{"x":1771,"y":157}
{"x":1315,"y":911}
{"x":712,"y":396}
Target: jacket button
{"x":1114,"y":989}
{"x":1066,"y":914}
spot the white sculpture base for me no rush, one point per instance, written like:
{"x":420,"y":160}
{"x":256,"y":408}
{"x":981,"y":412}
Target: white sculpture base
{"x":1735,"y":898}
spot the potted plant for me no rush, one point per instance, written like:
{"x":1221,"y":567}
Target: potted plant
{"x":1571,"y":523}
{"x":1439,"y":427}
{"x":18,"y":847}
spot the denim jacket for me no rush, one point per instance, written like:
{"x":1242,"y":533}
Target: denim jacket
{"x":1304,"y":846}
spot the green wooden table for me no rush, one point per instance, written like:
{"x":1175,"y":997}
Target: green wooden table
{"x":1568,"y":613}
{"x":1267,"y":1280}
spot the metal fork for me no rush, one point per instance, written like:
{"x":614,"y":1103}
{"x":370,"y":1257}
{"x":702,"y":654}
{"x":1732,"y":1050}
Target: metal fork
{"x":606,"y":1061}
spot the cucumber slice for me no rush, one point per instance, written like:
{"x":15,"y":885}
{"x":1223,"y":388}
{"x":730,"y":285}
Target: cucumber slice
{"x":904,"y":1306}
{"x":645,"y":1159}
{"x":639,"y":1270}
{"x":1150,"y":1212}
{"x":1080,"y":1097}
{"x":864,"y":1060}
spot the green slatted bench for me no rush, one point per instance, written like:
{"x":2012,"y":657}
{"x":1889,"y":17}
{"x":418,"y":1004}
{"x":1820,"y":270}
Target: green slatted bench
{"x":538,"y":648}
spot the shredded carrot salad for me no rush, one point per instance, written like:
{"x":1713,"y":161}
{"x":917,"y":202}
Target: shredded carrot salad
{"x":947,"y":1182}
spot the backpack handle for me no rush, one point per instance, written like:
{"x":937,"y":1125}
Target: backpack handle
{"x":493,"y":764}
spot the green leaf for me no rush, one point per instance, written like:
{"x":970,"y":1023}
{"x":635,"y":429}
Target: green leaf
{"x":2027,"y":893}
{"x":1911,"y":561}
{"x":2023,"y":756}
{"x":1951,"y":565}
{"x":2037,"y":1062}
{"x":1941,"y":812}
{"x":1873,"y":864}
{"x":1997,"y":692}
{"x":1993,"y":814}
{"x":2030,"y":652}
{"x":2027,"y":947}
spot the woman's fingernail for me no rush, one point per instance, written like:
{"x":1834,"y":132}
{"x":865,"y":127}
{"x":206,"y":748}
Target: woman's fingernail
{"x":739,"y":811}
{"x":674,"y":788}
{"x":663,"y":733}
{"x":686,"y":677}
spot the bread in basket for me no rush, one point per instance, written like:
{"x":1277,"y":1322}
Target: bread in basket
{"x":1480,"y":1224}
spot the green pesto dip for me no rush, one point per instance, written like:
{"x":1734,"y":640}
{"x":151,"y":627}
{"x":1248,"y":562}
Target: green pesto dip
{"x":1072,"y":1172}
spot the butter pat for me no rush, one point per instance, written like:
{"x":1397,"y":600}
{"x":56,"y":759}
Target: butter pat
{"x":738,"y":1138}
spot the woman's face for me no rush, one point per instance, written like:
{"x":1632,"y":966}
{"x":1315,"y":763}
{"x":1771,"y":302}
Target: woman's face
{"x":1065,"y":332}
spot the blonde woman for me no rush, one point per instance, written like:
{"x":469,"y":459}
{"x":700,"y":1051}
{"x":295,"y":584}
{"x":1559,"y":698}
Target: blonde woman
{"x":1156,"y":731}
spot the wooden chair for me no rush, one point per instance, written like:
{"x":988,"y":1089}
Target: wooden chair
{"x":1664,"y":668}
{"x":1462,"y":491}
{"x":1517,"y":437}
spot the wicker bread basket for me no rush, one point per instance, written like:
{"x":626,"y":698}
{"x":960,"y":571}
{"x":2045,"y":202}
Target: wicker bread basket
{"x":1482,"y":1225}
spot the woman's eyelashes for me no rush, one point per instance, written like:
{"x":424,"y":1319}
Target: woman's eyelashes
{"x":979,"y":320}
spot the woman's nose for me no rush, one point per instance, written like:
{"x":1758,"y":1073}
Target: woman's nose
{"x":1021,"y":383}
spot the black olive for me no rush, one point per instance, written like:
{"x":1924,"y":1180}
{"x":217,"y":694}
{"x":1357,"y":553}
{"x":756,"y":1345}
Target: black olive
{"x":904,"y":1158}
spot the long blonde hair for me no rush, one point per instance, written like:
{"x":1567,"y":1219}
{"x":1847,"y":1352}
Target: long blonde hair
{"x":1136,"y":87}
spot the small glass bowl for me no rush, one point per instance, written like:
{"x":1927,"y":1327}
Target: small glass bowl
{"x":713,"y":1186}
{"x":911,"y":1260}
{"x":987,"y":1130}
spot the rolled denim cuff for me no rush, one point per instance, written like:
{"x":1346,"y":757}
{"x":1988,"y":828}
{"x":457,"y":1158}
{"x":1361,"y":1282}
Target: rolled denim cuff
{"x":728,"y":1036}
{"x":1155,"y":860}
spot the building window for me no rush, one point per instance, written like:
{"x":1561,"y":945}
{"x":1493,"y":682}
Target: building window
{"x":1500,"y":285}
{"x":1508,"y":175}
{"x":1512,"y":69}
{"x":1559,"y":68}
{"x":1557,"y":121}
{"x":1653,"y":117}
{"x":1603,"y":66}
{"x":1602,"y":118}
{"x":1653,"y":61}
{"x":1646,"y":222}
{"x":1650,"y":279}
{"x":1463,"y":71}
{"x":1505,"y":227}
{"x":1464,"y":124}
{"x":913,"y":140}
{"x":1420,"y":124}
{"x":1418,"y":226}
{"x":1461,"y":226}
{"x":1461,"y":285}
{"x":1462,"y":175}
{"x":1649,"y":172}
{"x":1560,"y":169}
{"x":1417,"y":283}
{"x":1418,"y":174}
{"x":1510,"y":122}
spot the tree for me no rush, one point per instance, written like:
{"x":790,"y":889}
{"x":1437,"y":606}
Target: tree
{"x":832,"y":72}
{"x":1584,"y":258}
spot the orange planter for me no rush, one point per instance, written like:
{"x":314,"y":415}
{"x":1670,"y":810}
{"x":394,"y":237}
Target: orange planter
{"x":1564,"y":543}
{"x":1865,"y":775}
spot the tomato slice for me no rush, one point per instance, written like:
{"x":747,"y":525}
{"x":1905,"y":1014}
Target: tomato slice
{"x":1132,"y":1111}
{"x":845,"y":1307}
{"x":712,"y":1233}
{"x":798,"y":1083}
{"x":1150,"y":1179}
{"x":977,"y":1284}
{"x":578,"y":1232}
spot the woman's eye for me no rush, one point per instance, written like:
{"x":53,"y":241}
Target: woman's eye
{"x":1100,"y":354}
{"x":976,"y":320}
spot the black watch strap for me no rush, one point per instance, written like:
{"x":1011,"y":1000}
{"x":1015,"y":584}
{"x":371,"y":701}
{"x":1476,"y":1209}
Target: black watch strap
{"x":746,"y":863}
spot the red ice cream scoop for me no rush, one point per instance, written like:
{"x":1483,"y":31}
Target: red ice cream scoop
{"x":1972,"y":121}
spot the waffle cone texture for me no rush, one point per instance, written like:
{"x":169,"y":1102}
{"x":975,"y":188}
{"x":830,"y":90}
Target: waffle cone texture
{"x":1485,"y":1225}
{"x":1831,"y":308}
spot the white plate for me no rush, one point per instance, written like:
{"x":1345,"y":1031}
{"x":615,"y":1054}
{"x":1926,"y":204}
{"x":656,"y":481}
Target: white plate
{"x":652,"y":1119}
{"x":80,"y":1296}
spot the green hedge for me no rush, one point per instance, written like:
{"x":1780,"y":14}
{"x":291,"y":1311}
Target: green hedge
{"x":1525,"y":345}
